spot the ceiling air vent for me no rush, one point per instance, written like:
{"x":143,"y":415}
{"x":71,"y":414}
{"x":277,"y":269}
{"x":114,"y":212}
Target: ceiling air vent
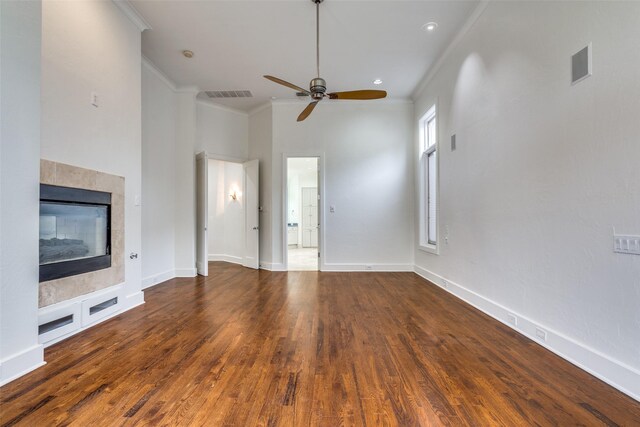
{"x":229,"y":94}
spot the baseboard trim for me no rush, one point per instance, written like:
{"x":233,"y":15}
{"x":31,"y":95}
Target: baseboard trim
{"x":225,"y":258}
{"x":613,"y":372}
{"x":19,"y":364}
{"x":353,"y":267}
{"x":271,"y":266}
{"x":155,"y":279}
{"x":185,"y":272}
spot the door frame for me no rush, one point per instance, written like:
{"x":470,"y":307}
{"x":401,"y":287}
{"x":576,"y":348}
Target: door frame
{"x":285,"y":204}
{"x":223,"y":158}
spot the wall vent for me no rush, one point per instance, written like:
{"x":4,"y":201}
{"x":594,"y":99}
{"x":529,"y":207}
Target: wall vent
{"x":581,"y":65}
{"x":229,"y":94}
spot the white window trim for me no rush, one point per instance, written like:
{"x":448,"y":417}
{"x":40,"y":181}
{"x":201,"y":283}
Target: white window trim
{"x":423,"y":243}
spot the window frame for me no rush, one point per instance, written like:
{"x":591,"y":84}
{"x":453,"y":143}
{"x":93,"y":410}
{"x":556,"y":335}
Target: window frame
{"x":426,"y":149}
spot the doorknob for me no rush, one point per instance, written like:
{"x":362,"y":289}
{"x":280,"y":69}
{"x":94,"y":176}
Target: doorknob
{"x":255,"y":228}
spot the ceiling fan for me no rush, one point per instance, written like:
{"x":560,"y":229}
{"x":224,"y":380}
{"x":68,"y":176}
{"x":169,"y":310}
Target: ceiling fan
{"x":318,"y":86}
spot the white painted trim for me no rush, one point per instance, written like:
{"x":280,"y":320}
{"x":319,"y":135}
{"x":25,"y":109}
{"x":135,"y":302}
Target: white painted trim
{"x":226,"y":258}
{"x":224,"y":158}
{"x":431,"y":72}
{"x":613,"y":372}
{"x":212,"y":104}
{"x":134,"y":300}
{"x":19,"y":364}
{"x":155,"y":279}
{"x":185,"y":272}
{"x":260,"y":108}
{"x":385,"y":101}
{"x":272,"y":266}
{"x":159,"y":73}
{"x":188,"y":89}
{"x":357,"y":267}
{"x":133,"y":15}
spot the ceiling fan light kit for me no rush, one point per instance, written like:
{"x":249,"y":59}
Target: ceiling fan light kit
{"x":318,"y":86}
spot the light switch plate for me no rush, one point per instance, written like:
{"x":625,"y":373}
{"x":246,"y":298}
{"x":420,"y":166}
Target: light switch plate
{"x":626,"y":244}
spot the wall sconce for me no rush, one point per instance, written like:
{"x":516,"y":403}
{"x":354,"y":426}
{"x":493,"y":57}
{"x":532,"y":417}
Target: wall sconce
{"x":234,"y":195}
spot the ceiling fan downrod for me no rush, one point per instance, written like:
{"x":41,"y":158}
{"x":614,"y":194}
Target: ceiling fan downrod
{"x":318,"y":86}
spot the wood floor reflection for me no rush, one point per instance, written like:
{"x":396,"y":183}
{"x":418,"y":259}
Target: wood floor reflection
{"x":250,"y":348}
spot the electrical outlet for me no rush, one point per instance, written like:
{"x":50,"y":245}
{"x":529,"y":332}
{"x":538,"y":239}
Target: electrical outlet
{"x":445,"y":283}
{"x":332,"y":209}
{"x":512,"y":319}
{"x":541,"y":333}
{"x":368,"y":267}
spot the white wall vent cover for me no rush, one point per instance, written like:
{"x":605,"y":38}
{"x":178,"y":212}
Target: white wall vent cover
{"x":229,"y":94}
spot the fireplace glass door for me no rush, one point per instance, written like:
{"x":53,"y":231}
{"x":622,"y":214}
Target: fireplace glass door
{"x":71,"y":232}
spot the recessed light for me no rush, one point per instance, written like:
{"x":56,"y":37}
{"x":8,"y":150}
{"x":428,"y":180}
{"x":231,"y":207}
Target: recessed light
{"x":187,"y":53}
{"x":377,"y":82}
{"x":430,"y":26}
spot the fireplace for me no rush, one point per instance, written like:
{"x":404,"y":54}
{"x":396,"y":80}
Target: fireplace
{"x":75,"y":231}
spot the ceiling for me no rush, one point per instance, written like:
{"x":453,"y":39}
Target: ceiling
{"x":236,"y":42}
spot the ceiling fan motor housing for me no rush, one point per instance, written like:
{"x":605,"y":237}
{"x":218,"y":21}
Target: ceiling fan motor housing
{"x":317,"y":88}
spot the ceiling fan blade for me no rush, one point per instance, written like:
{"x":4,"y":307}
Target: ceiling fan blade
{"x":358,"y":94}
{"x":305,"y":113}
{"x":287,"y":84}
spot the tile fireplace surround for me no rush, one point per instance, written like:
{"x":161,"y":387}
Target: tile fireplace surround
{"x":55,"y":291}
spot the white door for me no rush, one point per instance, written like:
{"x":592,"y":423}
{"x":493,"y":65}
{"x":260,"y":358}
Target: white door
{"x":202,"y":214}
{"x":309,"y":217}
{"x":252,"y":220}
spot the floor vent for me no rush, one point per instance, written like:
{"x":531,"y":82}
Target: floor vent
{"x":103,"y":305}
{"x":55,"y":324}
{"x":229,"y":94}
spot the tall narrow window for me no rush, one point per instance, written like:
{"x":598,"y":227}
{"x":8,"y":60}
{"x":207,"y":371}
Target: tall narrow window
{"x":428,"y":177}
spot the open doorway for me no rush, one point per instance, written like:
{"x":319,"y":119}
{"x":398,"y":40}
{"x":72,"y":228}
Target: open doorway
{"x":302,"y":213}
{"x":225,"y":223}
{"x":226,"y":212}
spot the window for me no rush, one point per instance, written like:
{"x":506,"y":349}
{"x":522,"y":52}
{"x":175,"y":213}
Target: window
{"x":428,"y":181}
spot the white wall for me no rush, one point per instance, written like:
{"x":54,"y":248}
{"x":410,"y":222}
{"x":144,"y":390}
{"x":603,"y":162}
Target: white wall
{"x":185,"y":201}
{"x":20,"y":30}
{"x":159,"y":116}
{"x":226,"y":216}
{"x":367,"y":152}
{"x":221,"y":131}
{"x":87,"y":47}
{"x":542,"y":173}
{"x":261,"y":148}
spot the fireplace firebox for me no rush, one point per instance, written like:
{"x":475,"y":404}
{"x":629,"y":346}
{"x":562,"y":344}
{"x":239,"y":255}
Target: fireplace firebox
{"x":75,"y":231}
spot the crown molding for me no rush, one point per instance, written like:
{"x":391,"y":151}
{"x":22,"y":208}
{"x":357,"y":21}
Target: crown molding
{"x":133,"y":15}
{"x":386,"y":101}
{"x":159,"y":73}
{"x":221,"y":107}
{"x":260,"y":108}
{"x":469,"y":23}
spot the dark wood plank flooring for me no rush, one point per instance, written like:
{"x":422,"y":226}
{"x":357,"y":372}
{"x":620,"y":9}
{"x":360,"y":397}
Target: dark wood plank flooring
{"x":255,"y":348}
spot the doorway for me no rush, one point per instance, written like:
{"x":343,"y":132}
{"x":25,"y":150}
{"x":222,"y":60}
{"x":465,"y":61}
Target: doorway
{"x":303,"y":214}
{"x":226,"y":212}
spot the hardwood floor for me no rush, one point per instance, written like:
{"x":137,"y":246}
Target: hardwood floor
{"x":250,"y":348}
